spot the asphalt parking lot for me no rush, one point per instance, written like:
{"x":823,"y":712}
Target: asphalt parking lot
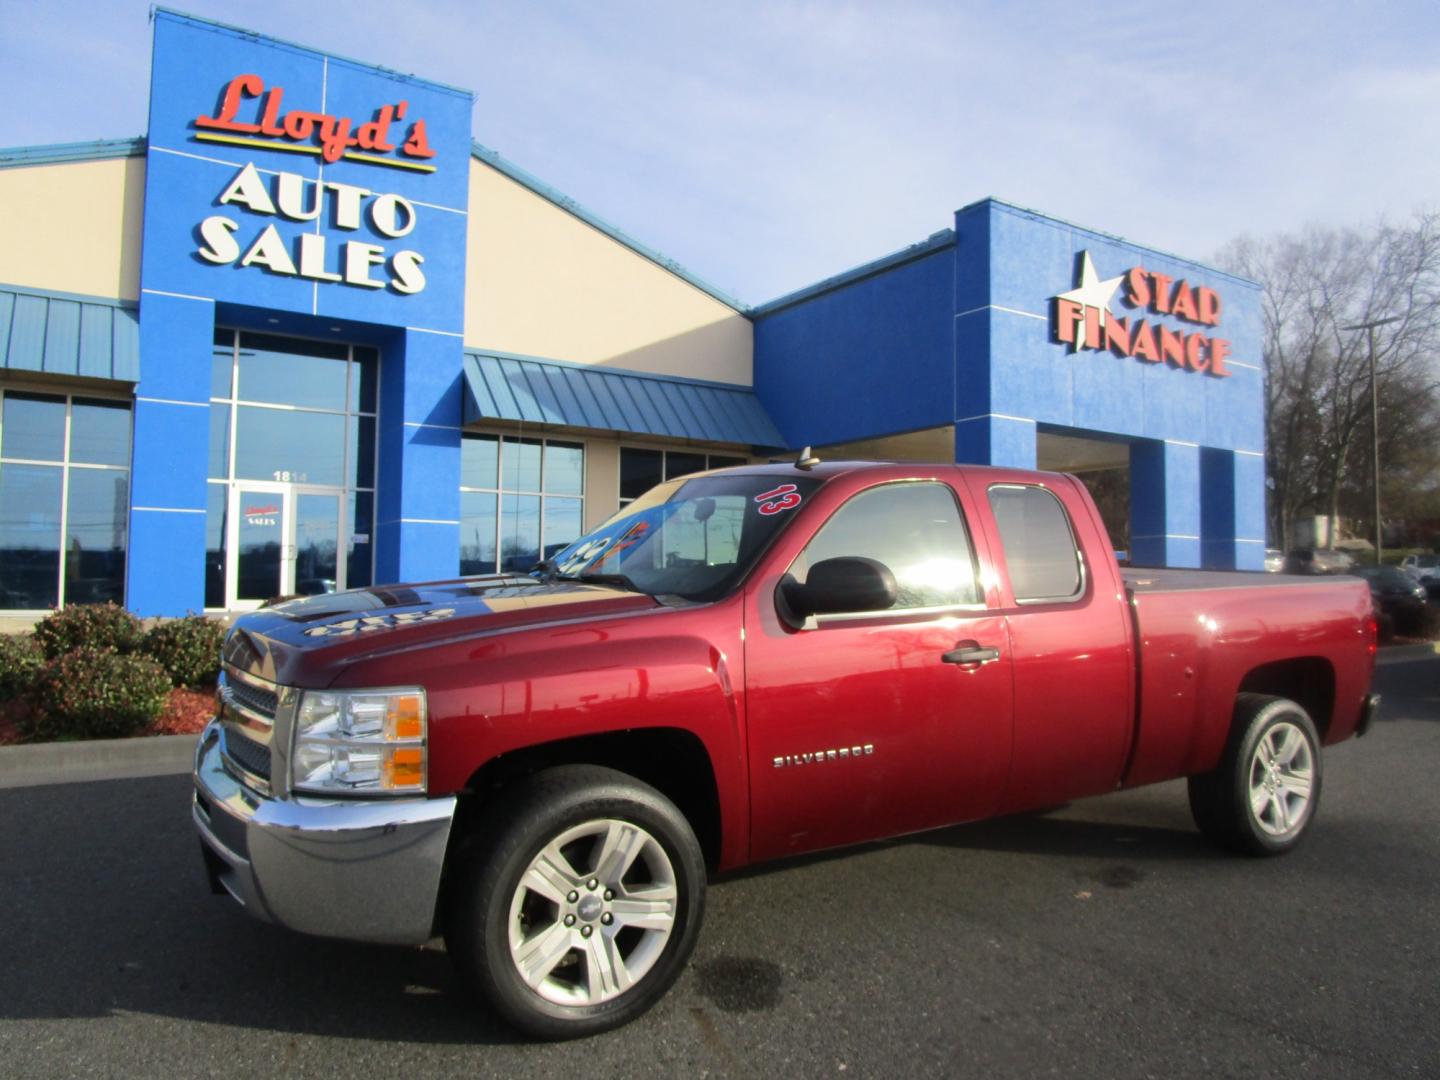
{"x":1106,"y":939}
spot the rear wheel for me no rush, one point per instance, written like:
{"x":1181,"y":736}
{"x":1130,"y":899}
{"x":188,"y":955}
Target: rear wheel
{"x":1263,"y":795}
{"x":581,"y":910}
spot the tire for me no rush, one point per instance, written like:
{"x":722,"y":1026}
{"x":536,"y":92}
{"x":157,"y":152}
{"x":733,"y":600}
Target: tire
{"x":580,"y":906}
{"x":1263,"y":795}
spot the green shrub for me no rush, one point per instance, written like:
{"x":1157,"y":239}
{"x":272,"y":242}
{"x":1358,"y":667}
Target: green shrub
{"x":96,"y":626}
{"x":188,"y":648}
{"x":95,"y":693}
{"x":20,"y":663}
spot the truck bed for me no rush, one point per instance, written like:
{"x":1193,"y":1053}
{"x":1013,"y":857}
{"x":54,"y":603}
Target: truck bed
{"x":1141,"y":579}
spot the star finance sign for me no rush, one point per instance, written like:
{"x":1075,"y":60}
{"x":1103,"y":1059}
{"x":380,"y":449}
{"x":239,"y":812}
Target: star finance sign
{"x":1082,"y":319}
{"x":286,"y":178}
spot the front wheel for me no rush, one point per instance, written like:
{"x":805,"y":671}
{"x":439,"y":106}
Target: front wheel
{"x":1265,"y":791}
{"x":581,"y":909}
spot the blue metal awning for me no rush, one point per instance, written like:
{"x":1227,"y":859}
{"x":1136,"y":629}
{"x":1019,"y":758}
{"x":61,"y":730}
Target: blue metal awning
{"x":59,"y":334}
{"x":573,"y":395}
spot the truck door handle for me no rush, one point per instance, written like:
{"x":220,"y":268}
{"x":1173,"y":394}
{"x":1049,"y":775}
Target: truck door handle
{"x":971,"y":652}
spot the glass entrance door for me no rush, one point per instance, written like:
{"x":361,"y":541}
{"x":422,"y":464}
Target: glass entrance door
{"x":316,"y":567}
{"x":285,"y":540}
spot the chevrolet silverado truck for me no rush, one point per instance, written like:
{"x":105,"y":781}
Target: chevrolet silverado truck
{"x":744,"y":665}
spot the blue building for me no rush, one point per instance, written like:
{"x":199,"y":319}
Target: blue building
{"x":306,"y":335}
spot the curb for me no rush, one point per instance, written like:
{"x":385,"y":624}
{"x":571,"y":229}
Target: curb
{"x":97,"y":759}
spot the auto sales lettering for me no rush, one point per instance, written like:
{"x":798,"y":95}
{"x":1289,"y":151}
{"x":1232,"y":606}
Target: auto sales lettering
{"x":226,"y":241}
{"x":1082,"y":319}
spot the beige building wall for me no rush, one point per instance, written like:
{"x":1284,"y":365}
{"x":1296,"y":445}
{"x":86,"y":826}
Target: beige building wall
{"x":73,"y":227}
{"x":541,"y":282}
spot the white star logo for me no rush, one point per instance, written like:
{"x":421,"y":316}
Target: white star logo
{"x":1091,"y":293}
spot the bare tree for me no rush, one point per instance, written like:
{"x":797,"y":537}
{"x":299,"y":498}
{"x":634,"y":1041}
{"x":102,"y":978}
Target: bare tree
{"x":1317,"y":390}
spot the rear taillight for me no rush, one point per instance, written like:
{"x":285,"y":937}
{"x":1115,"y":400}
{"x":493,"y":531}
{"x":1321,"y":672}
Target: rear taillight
{"x":1372,"y":630}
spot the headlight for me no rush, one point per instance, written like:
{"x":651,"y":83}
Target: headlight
{"x":370,"y":741}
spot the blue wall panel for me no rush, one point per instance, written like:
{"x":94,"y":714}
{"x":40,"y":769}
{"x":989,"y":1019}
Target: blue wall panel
{"x":872,"y":357}
{"x":1027,"y":377}
{"x":165,"y":564}
{"x":996,"y":440}
{"x":172,"y":586}
{"x":1164,"y":503}
{"x":421,"y":397}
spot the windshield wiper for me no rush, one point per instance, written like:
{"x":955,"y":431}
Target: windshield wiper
{"x":623,"y":580}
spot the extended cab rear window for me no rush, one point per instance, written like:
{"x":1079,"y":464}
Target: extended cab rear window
{"x":1040,"y":549}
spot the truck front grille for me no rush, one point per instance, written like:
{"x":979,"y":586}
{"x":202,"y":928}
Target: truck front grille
{"x":250,"y":755}
{"x":253,"y":698}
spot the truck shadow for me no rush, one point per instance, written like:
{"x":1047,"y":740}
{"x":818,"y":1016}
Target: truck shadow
{"x":120,"y":919}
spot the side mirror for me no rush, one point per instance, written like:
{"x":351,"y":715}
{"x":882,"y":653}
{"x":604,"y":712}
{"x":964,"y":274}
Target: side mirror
{"x":846,"y":584}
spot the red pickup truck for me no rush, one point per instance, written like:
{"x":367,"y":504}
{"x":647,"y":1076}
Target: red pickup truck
{"x":743,"y":665}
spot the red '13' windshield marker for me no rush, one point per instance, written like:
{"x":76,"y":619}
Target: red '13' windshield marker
{"x":784,"y":497}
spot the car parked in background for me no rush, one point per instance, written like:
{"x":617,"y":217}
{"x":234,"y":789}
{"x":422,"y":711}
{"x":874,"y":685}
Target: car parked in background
{"x":1399,"y":599}
{"x":1425,"y":569}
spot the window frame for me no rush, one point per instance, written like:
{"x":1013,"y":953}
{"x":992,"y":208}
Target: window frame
{"x":1082,"y":588}
{"x":814,"y":621}
{"x":68,"y":395}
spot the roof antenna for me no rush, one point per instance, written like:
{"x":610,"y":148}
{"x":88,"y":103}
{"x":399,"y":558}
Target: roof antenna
{"x":806,"y":460}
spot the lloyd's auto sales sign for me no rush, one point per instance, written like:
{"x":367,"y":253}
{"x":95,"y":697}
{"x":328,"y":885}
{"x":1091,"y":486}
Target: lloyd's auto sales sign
{"x":1082,"y":318}
{"x":288,"y":180}
{"x":292,"y":197}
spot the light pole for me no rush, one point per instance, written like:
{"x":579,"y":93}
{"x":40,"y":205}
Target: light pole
{"x":1369,"y":328}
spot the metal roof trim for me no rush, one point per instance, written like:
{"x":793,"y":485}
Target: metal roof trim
{"x":527,"y":389}
{"x":16,"y":157}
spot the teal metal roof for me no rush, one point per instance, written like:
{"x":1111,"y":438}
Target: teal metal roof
{"x":60,"y":334}
{"x":507,"y":387}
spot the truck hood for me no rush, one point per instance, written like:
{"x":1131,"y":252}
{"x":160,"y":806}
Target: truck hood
{"x":308,"y":642}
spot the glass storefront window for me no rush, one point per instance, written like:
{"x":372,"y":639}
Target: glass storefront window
{"x":96,"y":520}
{"x":564,"y":469}
{"x":33,"y":427}
{"x":30,"y":535}
{"x":642,"y":468}
{"x":682,"y":463}
{"x":519,"y":533}
{"x":477,"y":532}
{"x":479,"y":461}
{"x":521,"y":500}
{"x":520,"y":465}
{"x":284,"y":371}
{"x":289,"y":447}
{"x":359,"y":559}
{"x":63,"y":525}
{"x":219,"y":441}
{"x":100,"y":432}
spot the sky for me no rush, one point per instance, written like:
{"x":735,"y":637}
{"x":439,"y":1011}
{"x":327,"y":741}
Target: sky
{"x":766,"y":146}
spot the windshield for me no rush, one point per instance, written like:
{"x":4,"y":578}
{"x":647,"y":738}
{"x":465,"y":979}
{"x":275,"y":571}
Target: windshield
{"x":691,"y":537}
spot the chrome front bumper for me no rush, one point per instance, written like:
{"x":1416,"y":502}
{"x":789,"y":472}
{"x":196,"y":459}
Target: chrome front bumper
{"x":366,"y":870}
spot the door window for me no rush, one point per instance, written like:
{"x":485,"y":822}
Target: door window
{"x":1039,"y":546}
{"x":916,"y":530}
